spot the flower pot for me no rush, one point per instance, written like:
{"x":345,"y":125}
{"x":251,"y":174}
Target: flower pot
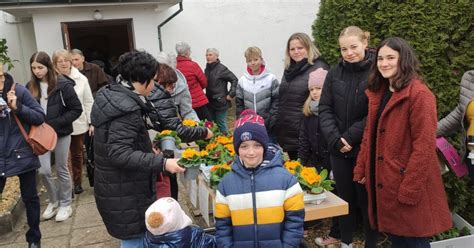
{"x":464,"y":241}
{"x":168,"y":144}
{"x":191,"y":173}
{"x":312,"y":198}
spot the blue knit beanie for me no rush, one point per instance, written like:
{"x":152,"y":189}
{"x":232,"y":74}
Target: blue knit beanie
{"x":250,"y":126}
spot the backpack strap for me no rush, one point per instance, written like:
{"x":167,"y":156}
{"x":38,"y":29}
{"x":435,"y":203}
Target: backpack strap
{"x":18,"y":122}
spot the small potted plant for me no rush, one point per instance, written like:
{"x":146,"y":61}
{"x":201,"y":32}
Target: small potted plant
{"x":218,"y":172}
{"x":168,"y":141}
{"x":191,"y":160}
{"x":314,"y":184}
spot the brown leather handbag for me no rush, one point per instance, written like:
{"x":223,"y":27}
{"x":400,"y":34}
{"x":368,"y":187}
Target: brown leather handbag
{"x":42,"y":138}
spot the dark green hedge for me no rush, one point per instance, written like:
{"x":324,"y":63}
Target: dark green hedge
{"x":4,"y":59}
{"x":440,"y":31}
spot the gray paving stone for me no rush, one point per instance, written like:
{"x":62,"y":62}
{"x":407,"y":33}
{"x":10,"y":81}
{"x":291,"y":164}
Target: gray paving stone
{"x":10,"y":237}
{"x":56,"y":242}
{"x":86,"y":197}
{"x":109,"y":244}
{"x":51,"y":228}
{"x":87,"y":215}
{"x":89,"y":236}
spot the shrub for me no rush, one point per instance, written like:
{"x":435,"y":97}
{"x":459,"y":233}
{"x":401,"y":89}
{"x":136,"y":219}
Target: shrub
{"x":4,"y":59}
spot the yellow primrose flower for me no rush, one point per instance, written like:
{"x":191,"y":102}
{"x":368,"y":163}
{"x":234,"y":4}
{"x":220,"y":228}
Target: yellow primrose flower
{"x":189,"y":123}
{"x":292,"y":165}
{"x":204,"y":154}
{"x":189,"y":153}
{"x":211,"y":146}
{"x":165,"y":132}
{"x":223,"y":140}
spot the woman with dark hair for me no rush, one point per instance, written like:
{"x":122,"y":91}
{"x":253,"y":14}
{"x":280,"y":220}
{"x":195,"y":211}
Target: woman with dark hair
{"x":59,"y":100}
{"x":126,"y":165}
{"x":342,"y":111}
{"x":301,"y":58}
{"x":16,"y":156}
{"x":397,"y":161}
{"x":166,"y":116}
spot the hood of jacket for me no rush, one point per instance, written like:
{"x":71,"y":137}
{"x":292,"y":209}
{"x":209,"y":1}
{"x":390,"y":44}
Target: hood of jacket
{"x":181,"y":84}
{"x":272,"y":158}
{"x":260,"y":76}
{"x":112,"y":101}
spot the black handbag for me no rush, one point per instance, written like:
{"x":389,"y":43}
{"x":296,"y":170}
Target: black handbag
{"x":90,"y":165}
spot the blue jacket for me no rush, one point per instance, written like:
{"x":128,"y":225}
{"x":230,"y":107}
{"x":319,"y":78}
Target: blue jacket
{"x":16,"y":156}
{"x":259,"y":208}
{"x":188,"y":237}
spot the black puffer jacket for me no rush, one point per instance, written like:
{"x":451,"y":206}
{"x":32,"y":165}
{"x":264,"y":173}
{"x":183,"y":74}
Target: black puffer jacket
{"x":218,"y":76}
{"x":166,"y":116}
{"x":292,"y":96}
{"x":343,"y":106}
{"x":313,"y":149}
{"x":126,"y":166}
{"x":64,"y":106}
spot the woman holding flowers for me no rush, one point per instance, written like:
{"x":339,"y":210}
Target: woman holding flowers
{"x":257,"y":176}
{"x":397,"y":162}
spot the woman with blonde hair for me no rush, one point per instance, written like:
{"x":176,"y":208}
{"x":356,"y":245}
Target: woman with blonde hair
{"x":301,"y":58}
{"x":82,"y":125}
{"x":60,"y":102}
{"x":343,"y":110}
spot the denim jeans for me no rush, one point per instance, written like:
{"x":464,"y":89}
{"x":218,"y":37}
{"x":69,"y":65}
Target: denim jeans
{"x":220,"y":118}
{"x":132,"y":243}
{"x":409,"y":242}
{"x":30,"y":198}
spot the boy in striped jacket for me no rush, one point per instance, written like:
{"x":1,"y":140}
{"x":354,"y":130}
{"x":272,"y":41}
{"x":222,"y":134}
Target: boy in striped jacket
{"x":259,"y":203}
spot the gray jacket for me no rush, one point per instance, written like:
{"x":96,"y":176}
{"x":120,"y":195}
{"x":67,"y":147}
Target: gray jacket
{"x":259,"y":93}
{"x":182,"y":98}
{"x":456,"y":119}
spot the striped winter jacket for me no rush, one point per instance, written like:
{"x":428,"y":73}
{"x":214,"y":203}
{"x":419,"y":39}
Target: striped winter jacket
{"x":259,"y":93}
{"x":259,"y":208}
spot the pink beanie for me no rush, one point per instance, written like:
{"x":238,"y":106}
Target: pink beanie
{"x":316,"y":78}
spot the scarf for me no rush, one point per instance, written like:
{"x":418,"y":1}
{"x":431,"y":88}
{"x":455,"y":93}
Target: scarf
{"x":314,"y":107}
{"x":295,"y":69}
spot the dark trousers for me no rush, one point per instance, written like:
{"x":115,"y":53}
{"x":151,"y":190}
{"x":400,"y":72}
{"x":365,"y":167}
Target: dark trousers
{"x":30,"y":198}
{"x":356,"y":196}
{"x":76,"y":156}
{"x":408,"y":242}
{"x":203,"y":113}
{"x":174,"y":186}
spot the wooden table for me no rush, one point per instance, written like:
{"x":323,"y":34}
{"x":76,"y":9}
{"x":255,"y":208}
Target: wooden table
{"x":330,"y":207}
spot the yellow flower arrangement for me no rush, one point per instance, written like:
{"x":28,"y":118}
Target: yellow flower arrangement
{"x":211,"y":146}
{"x":223,"y":140}
{"x":204,"y":153}
{"x":165,"y":133}
{"x":218,"y":172}
{"x":190,"y":123}
{"x":230,"y":148}
{"x":309,"y":178}
{"x":168,"y":133}
{"x":189,"y":153}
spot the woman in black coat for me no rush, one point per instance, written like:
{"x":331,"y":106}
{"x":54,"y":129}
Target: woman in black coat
{"x":166,"y":118}
{"x":59,"y":100}
{"x":16,"y":156}
{"x":126,"y":166}
{"x":343,"y":111}
{"x":301,"y":58}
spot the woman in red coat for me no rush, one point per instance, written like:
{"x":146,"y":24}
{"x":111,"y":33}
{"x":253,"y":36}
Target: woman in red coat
{"x":397,"y":161}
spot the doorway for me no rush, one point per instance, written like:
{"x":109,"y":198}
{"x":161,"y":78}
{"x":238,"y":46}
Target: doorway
{"x":100,"y":40}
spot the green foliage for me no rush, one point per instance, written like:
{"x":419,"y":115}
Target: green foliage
{"x":441,"y":32}
{"x":458,"y":191}
{"x":451,"y":233}
{"x":4,"y":59}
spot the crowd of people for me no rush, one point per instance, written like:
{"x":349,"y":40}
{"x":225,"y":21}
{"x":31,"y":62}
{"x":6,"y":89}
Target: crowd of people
{"x":370,"y":119}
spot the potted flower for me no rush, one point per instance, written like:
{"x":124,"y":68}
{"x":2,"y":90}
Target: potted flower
{"x":190,"y":123}
{"x":168,"y":140}
{"x":313,"y":183}
{"x":218,"y":171}
{"x":191,"y":160}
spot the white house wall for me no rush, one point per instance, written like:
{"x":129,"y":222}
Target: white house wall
{"x":228,"y":25}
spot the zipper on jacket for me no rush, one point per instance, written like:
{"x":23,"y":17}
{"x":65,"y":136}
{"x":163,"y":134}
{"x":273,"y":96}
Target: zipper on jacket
{"x":254,"y":97}
{"x":254,"y":205}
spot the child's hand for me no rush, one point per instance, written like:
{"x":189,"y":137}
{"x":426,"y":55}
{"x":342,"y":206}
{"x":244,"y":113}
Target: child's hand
{"x":11,"y":99}
{"x":210,"y":134}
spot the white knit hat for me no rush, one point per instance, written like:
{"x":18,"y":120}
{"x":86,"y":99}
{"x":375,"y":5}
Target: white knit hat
{"x":165,"y":215}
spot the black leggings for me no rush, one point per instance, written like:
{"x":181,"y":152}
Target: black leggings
{"x":356,"y":196}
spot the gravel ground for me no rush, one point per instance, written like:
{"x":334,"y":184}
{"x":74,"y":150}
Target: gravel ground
{"x":10,"y":195}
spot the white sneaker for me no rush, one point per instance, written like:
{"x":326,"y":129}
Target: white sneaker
{"x":63,"y":213}
{"x":343,"y":245}
{"x":50,"y":211}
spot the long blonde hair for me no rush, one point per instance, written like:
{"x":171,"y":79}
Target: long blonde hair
{"x":313,"y":52}
{"x":306,"y":107}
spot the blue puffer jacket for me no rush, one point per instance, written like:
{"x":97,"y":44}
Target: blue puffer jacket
{"x":259,"y":208}
{"x":16,"y":156}
{"x":189,"y":237}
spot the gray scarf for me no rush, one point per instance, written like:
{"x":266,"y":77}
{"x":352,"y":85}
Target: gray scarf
{"x":314,"y":107}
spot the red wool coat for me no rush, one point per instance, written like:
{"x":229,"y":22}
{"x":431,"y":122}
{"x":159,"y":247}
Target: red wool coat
{"x":196,"y":79}
{"x":410,"y":196}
